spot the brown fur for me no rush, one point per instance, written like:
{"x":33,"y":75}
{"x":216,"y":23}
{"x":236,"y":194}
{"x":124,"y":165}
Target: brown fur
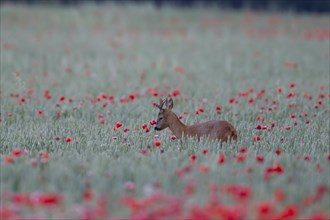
{"x":215,"y":130}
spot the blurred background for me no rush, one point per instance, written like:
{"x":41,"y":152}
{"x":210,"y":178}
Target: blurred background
{"x":314,"y":6}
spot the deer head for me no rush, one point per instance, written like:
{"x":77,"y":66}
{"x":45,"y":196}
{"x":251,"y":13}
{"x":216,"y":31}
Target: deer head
{"x":163,"y":118}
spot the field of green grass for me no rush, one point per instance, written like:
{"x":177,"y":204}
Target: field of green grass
{"x":78,"y":87}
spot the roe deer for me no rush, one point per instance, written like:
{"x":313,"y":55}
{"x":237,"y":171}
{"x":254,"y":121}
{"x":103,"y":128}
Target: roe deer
{"x":216,"y":130}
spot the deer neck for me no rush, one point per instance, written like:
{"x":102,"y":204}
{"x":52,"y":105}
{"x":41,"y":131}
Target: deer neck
{"x":176,"y":126}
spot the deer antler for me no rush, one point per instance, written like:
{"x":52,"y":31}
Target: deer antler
{"x":161,"y":104}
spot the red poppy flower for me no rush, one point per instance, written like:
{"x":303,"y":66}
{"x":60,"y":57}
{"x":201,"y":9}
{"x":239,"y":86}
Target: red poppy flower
{"x":16,"y":152}
{"x":105,"y":104}
{"x":176,"y":93}
{"x":243,"y":94}
{"x":259,"y":158}
{"x":39,"y":112}
{"x":203,"y":169}
{"x":8,"y":160}
{"x":130,"y":186}
{"x":131,"y":97}
{"x":290,"y":95}
{"x":242,"y":150}
{"x":256,"y":138}
{"x":258,"y":127}
{"x":179,"y":70}
{"x":21,"y":198}
{"x":62,"y":98}
{"x":278,"y":151}
{"x":34,"y":162}
{"x":50,"y":199}
{"x":22,"y":100}
{"x":251,"y":101}
{"x":289,"y":212}
{"x":221,"y":158}
{"x":265,"y":208}
{"x":118,"y":125}
{"x":307,"y":158}
{"x":279,"y":195}
{"x":291,"y":65}
{"x":157,"y":143}
{"x":99,"y":116}
{"x":88,"y":195}
{"x":292,"y":85}
{"x":47,"y":94}
{"x":240,"y":192}
{"x":232,"y":100}
{"x":44,"y":156}
{"x":319,"y":168}
{"x":319,"y":216}
{"x":144,"y":126}
{"x":278,"y":169}
{"x":241,"y":158}
{"x":68,"y":139}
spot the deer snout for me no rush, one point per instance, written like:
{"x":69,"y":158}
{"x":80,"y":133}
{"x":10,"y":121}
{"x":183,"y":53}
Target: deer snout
{"x":157,"y":129}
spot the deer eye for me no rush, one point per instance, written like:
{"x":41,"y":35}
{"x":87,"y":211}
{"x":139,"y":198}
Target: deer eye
{"x":160,"y":118}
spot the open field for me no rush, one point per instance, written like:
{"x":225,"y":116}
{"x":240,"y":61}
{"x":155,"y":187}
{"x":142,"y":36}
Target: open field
{"x":77,"y":93}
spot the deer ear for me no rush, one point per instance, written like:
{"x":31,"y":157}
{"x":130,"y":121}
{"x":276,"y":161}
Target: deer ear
{"x":169,"y":103}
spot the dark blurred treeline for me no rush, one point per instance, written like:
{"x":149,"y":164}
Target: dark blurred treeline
{"x":318,"y":6}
